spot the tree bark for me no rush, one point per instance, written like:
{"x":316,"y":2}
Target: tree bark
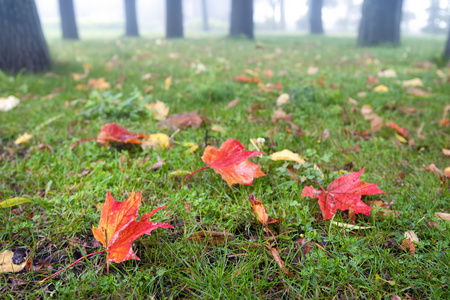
{"x":282,"y":16}
{"x":22,"y":43}
{"x":242,"y":18}
{"x":315,"y":16}
{"x":68,"y":20}
{"x":131,"y":26}
{"x":174,"y":19}
{"x":380,"y":22}
{"x":447,"y":45}
{"x":205,"y":15}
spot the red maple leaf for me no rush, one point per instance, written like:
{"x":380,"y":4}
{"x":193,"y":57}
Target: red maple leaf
{"x":399,"y":129}
{"x":343,"y":193}
{"x":113,"y":132}
{"x":230,"y":161}
{"x":118,"y":226}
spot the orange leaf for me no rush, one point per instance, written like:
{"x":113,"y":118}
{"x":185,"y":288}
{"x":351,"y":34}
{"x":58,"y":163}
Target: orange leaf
{"x":113,"y":132}
{"x":246,"y":79}
{"x":399,"y":129}
{"x":230,"y":161}
{"x":119,"y":227}
{"x":260,"y":211}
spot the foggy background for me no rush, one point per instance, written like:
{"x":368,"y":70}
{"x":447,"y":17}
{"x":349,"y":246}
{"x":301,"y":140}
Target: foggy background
{"x":96,"y":17}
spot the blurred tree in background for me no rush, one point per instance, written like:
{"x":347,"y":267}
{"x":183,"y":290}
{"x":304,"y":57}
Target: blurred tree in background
{"x":174,"y":19}
{"x":241,"y":18}
{"x":68,"y":20}
{"x":131,"y":26}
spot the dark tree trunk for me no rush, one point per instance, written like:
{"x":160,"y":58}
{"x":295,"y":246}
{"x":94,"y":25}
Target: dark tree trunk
{"x":205,"y":15}
{"x":174,"y":19}
{"x":315,"y":16}
{"x":380,"y":22}
{"x":131,"y":26}
{"x":447,"y":45}
{"x":68,"y":20}
{"x":282,"y":16}
{"x":242,"y":18}
{"x":22,"y":43}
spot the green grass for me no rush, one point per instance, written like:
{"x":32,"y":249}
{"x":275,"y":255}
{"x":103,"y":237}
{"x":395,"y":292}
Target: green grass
{"x":56,"y":225}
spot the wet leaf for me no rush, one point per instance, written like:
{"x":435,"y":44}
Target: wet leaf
{"x":14,"y":201}
{"x":287,"y":155}
{"x":157,"y":141}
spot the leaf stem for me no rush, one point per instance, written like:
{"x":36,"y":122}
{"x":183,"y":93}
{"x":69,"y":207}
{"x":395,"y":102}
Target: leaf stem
{"x":82,"y":141}
{"x":191,"y":175}
{"x":69,"y":266}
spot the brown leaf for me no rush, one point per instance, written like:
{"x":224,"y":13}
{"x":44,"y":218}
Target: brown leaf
{"x":376,"y":124}
{"x":408,"y":110}
{"x":268,"y":73}
{"x":233,"y":103}
{"x":354,"y":148}
{"x":213,"y":237}
{"x":443,"y":216}
{"x":446,"y":152}
{"x":279,"y":261}
{"x":418,"y":92}
{"x":260,"y":211}
{"x":444,"y":122}
{"x":182,"y":121}
{"x":409,"y":245}
{"x":156,"y":165}
{"x":84,"y":173}
{"x":254,"y":107}
{"x":119,"y":81}
{"x":325,"y":135}
{"x":372,"y":79}
{"x":281,"y":115}
{"x":419,"y":132}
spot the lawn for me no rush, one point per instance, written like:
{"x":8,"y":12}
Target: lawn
{"x":328,"y":122}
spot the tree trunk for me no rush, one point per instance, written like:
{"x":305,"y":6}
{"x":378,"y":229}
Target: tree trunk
{"x":68,"y":20}
{"x":174,"y":19}
{"x":242,"y":18}
{"x":380,"y":22}
{"x":315,"y":16}
{"x":205,"y":16}
{"x":131,"y":26}
{"x":22,"y":43}
{"x":447,"y":45}
{"x":282,"y":16}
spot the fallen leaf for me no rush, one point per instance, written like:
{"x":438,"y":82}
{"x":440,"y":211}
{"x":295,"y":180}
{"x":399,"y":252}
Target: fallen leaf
{"x":268,"y":73}
{"x":381,"y":88}
{"x":7,"y":265}
{"x":350,"y":226}
{"x":418,"y":92}
{"x":119,"y":227}
{"x":113,"y":132}
{"x":312,"y":70}
{"x":218,"y":128}
{"x":119,"y":81}
{"x":408,"y":110}
{"x":167,"y":83}
{"x":399,"y":129}
{"x":260,"y":211}
{"x":445,"y":111}
{"x":283,"y":99}
{"x":8,"y":103}
{"x":270,"y":87}
{"x":446,"y":152}
{"x":367,"y":112}
{"x":192,"y":147}
{"x":230,"y":161}
{"x":434,"y":169}
{"x":99,"y":84}
{"x":419,"y":132}
{"x":447,"y":172}
{"x":443,"y":216}
{"x":361,"y":94}
{"x":409,"y":242}
{"x":279,"y":261}
{"x":23,"y":138}
{"x":354,"y":148}
{"x":214,"y":237}
{"x":160,"y":110}
{"x":233,"y":103}
{"x":85,"y":172}
{"x":281,"y":115}
{"x":246,"y":79}
{"x":325,"y":134}
{"x":14,"y":201}
{"x":352,"y":101}
{"x":372,"y":79}
{"x":287,"y":155}
{"x":412,"y":82}
{"x":395,"y":297}
{"x":444,"y":122}
{"x":156,"y":165}
{"x":388,"y":73}
{"x":157,"y":141}
{"x":182,"y":121}
{"x":342,"y":193}
{"x":376,"y":124}
{"x":41,"y":147}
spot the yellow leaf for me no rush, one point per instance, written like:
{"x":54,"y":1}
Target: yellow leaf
{"x":381,"y":88}
{"x":192,"y":148}
{"x":287,"y":155}
{"x":179,"y":172}
{"x":23,"y":138}
{"x":7,"y":265}
{"x":14,"y":201}
{"x":157,"y":141}
{"x":218,"y":128}
{"x":400,"y":138}
{"x":168,"y":82}
{"x":161,"y":111}
{"x":412,"y":82}
{"x":283,"y":99}
{"x":349,"y":226}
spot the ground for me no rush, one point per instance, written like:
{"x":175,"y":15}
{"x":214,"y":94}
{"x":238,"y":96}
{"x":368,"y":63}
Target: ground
{"x":330,"y":82}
